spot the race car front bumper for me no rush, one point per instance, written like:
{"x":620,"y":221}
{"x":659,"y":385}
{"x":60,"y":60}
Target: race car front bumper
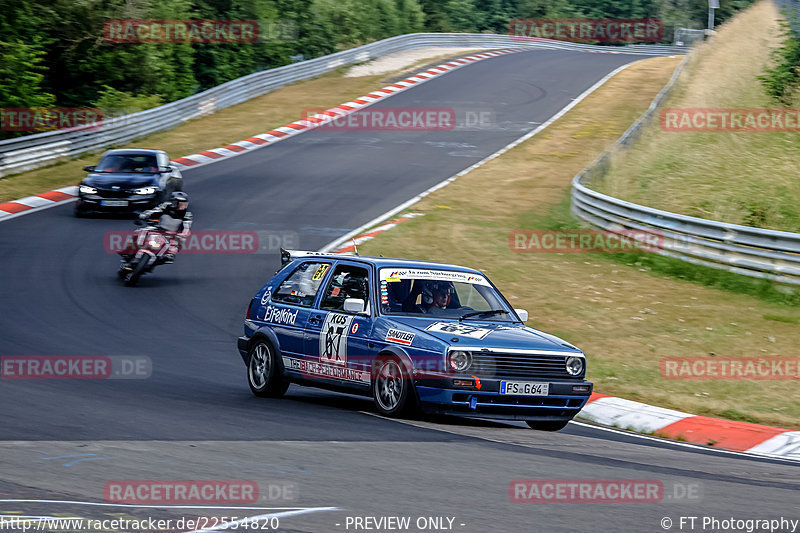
{"x":564,"y":400}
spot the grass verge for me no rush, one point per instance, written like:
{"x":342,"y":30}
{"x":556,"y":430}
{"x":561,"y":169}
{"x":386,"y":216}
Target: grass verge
{"x":747,"y":178}
{"x":624,"y":316}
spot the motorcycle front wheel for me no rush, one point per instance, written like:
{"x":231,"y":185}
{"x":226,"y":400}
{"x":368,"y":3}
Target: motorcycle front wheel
{"x":136,"y":272}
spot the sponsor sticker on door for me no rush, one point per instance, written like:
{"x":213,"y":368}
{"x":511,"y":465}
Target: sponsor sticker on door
{"x":400,"y":337}
{"x":333,"y":338}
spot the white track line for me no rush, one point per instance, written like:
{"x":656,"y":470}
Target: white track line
{"x":696,"y":447}
{"x":130,"y":505}
{"x":405,"y":205}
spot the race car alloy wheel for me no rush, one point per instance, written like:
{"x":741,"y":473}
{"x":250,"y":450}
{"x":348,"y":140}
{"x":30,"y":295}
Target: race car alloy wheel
{"x":263,"y":374}
{"x":391,"y":388}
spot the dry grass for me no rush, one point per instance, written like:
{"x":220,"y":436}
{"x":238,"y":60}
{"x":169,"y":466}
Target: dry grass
{"x":742,"y":178}
{"x":625,"y":319}
{"x":224,"y":127}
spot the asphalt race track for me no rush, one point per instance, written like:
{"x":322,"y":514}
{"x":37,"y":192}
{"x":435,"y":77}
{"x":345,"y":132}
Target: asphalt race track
{"x":195,"y":417}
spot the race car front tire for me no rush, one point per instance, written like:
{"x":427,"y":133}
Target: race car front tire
{"x":549,"y":425}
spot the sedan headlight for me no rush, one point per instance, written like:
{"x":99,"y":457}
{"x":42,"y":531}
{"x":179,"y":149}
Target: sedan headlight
{"x":458,"y":361}
{"x":85,"y":189}
{"x":145,"y":190}
{"x":574,"y":365}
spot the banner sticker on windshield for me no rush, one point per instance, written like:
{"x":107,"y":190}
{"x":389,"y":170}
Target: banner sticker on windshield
{"x":462,"y":330}
{"x":391,"y":275}
{"x":320,"y":273}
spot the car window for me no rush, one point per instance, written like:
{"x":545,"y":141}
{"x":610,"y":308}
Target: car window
{"x":446,"y":294}
{"x":347,"y":282}
{"x":302,"y":285}
{"x":127,"y":163}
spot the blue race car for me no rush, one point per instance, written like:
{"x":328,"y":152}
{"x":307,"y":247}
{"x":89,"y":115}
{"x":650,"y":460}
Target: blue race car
{"x":411,"y":334}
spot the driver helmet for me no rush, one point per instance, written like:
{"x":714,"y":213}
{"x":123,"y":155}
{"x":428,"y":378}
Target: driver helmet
{"x":436,"y":288}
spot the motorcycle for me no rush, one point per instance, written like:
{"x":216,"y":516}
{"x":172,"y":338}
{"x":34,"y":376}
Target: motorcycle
{"x":151,"y":246}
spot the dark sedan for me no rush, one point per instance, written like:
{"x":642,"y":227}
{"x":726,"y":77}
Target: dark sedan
{"x":128,"y":181}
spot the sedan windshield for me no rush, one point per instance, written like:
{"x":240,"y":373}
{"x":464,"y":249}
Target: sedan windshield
{"x":441,"y":293}
{"x":128,"y":163}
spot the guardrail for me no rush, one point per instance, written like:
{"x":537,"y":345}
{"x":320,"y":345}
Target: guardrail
{"x":755,"y":252}
{"x":32,"y":151}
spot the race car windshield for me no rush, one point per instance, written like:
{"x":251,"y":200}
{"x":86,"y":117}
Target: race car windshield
{"x":441,"y":293}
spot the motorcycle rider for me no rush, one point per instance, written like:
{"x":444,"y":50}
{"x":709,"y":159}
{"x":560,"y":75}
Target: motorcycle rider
{"x":173,"y":216}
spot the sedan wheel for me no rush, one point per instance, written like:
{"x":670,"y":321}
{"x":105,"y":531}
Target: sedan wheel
{"x":263,"y":376}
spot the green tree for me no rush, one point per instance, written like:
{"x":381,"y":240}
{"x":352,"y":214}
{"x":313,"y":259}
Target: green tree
{"x":411,"y":18}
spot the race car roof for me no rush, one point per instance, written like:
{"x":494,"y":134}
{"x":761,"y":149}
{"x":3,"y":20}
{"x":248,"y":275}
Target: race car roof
{"x":379,"y":262}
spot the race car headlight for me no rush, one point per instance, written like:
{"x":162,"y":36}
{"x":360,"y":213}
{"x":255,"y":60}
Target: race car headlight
{"x":458,"y":361}
{"x":85,"y":189}
{"x":574,"y":365}
{"x":145,"y":190}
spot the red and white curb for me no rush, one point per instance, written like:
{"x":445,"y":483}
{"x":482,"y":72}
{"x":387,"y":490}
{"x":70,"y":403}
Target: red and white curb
{"x":51,"y":198}
{"x":29,"y":204}
{"x":676,"y":425}
{"x":355,"y":241}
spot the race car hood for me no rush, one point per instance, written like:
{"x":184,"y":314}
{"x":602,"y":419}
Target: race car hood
{"x":487,"y":334}
{"x":124,"y":179}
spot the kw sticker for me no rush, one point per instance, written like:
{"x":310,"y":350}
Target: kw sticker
{"x":333,"y":338}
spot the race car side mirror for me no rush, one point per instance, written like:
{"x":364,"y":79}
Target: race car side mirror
{"x":522,"y":314}
{"x":354,"y":305}
{"x":165,"y":169}
{"x":89,"y":168}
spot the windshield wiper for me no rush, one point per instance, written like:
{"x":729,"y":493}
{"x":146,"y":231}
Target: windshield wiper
{"x":481,"y":313}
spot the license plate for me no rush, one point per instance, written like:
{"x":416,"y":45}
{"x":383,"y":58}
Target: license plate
{"x":114,"y":203}
{"x":524,"y":388}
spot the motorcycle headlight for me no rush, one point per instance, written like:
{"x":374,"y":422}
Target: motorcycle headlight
{"x":458,"y":361}
{"x":574,"y":365}
{"x":145,"y":190}
{"x":85,"y":189}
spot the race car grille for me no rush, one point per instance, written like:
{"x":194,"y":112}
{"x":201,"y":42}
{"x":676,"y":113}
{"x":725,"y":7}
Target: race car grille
{"x":110,"y":193}
{"x":506,"y":365}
